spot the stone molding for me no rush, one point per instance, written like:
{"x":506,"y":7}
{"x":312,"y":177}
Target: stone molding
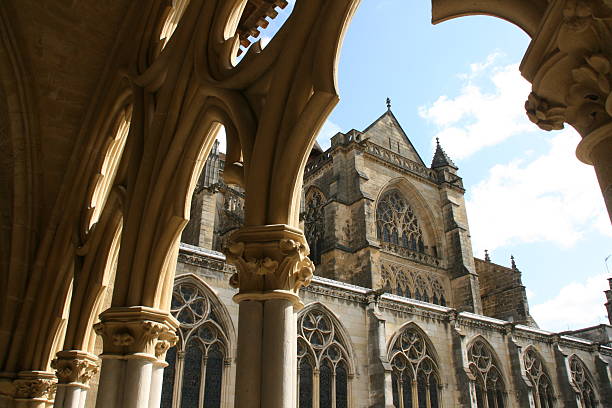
{"x":75,"y":366}
{"x":137,"y":330}
{"x":36,"y":385}
{"x":271,"y":262}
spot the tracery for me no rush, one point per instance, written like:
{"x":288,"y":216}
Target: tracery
{"x":402,"y":282}
{"x":397,"y":224}
{"x":543,"y":393}
{"x":323,"y":362}
{"x":195,"y":375}
{"x":581,"y":380}
{"x":415,"y":378}
{"x":314,"y":223}
{"x":490,"y":389}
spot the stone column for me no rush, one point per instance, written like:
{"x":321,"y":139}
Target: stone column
{"x":73,"y":369}
{"x":135,"y":343}
{"x":34,"y":389}
{"x":272,"y":265}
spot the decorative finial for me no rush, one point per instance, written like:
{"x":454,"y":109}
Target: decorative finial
{"x":438,"y":144}
{"x":487,"y":258}
{"x":512,"y":262}
{"x":389,"y":103}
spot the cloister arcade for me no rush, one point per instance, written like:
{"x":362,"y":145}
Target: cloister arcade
{"x":107,"y":113}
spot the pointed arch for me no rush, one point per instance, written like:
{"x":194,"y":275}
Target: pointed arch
{"x":489,"y":380}
{"x":582,"y":382}
{"x":412,"y":326}
{"x":538,"y":375}
{"x":314,"y":221}
{"x":422,"y":210}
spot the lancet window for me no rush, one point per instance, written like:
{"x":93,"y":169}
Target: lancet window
{"x":488,"y":383}
{"x":314,"y":222}
{"x":415,"y":380}
{"x":397,"y":224}
{"x":196,"y":370}
{"x":323,"y":362}
{"x":581,"y":379}
{"x":543,"y":394}
{"x":402,"y":282}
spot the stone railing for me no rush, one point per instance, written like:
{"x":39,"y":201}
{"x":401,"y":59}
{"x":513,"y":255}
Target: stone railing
{"x":410,"y":254}
{"x":317,"y":163}
{"x":398,"y":160}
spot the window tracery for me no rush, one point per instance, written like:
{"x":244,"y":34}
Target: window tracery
{"x":581,"y":380}
{"x":542,"y":387}
{"x":489,"y":385}
{"x":195,"y":374}
{"x":415,"y":381}
{"x":397,"y":224}
{"x":314,"y":223}
{"x":402,"y":282}
{"x":323,"y":368}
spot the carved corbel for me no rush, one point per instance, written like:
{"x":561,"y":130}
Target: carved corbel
{"x":37,"y":385}
{"x":544,"y":114}
{"x":75,"y":366}
{"x":137,"y":330}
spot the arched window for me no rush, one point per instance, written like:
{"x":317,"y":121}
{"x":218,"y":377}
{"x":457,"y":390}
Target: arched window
{"x":543,"y":394}
{"x":323,"y":362}
{"x":415,"y":381}
{"x":583,"y":383}
{"x":314,"y":223}
{"x":397,"y":223}
{"x":489,"y":384}
{"x":195,"y":373}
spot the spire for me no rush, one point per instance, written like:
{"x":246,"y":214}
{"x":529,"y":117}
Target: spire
{"x":388,"y":103}
{"x":487,"y":258}
{"x":512,"y":262}
{"x":440,"y":158}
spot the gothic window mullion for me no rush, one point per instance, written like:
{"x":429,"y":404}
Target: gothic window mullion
{"x":203,"y":382}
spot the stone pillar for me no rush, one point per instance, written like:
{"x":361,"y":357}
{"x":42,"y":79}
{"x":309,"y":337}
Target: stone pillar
{"x":34,"y":389}
{"x":272,"y":265}
{"x":73,"y":369}
{"x":596,"y":149}
{"x":135,"y":343}
{"x":379,"y":365}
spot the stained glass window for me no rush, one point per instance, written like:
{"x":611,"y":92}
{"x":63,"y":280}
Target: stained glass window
{"x":320,"y":345}
{"x":314,"y":220}
{"x":541,"y":384}
{"x":203,"y":359}
{"x":582,"y":381}
{"x":411,"y":358}
{"x":485,"y":368}
{"x":397,"y":223}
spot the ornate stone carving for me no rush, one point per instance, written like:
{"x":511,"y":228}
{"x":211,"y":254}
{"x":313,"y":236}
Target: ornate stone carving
{"x":543,"y":114}
{"x":130,"y":330}
{"x":35,"y":385}
{"x":269,"y":259}
{"x":75,"y":366}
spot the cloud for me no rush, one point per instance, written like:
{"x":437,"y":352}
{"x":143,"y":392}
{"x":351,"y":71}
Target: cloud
{"x":475,"y":119}
{"x":553,"y":198}
{"x":328,"y":130}
{"x":577,"y":305}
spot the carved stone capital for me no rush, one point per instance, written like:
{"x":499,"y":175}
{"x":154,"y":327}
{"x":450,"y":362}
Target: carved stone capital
{"x":272,"y":261}
{"x":75,"y":366}
{"x":137,"y":330}
{"x":544,"y":114}
{"x":39,"y":385}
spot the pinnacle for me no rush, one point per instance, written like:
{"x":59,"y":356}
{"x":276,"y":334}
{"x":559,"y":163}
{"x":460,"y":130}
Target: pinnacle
{"x":440,"y":158}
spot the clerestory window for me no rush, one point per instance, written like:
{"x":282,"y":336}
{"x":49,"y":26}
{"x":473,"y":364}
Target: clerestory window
{"x":397,"y":224}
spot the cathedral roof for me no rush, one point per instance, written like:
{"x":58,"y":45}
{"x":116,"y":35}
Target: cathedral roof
{"x":440,"y":158}
{"x":388,"y":133}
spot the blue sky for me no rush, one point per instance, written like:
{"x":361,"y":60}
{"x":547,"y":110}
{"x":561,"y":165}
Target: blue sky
{"x":527,"y":194}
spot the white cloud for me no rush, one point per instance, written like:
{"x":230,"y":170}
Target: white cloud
{"x":577,"y":305}
{"x":265,"y":40}
{"x":553,"y":198}
{"x":475,"y":119}
{"x":328,"y":130}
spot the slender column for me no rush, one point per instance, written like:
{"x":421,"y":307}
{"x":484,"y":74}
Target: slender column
{"x":135,"y":343}
{"x":34,"y":389}
{"x":272,"y":265}
{"x":74,"y":369}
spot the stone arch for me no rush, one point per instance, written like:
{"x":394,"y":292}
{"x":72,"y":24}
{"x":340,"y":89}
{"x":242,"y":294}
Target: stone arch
{"x":341,"y":332}
{"x":424,"y":213}
{"x":314,"y":221}
{"x":538,"y":377}
{"x":486,"y":371}
{"x":412,"y":326}
{"x":582,"y":382}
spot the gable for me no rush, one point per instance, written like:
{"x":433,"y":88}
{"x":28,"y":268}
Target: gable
{"x":387,"y":132}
